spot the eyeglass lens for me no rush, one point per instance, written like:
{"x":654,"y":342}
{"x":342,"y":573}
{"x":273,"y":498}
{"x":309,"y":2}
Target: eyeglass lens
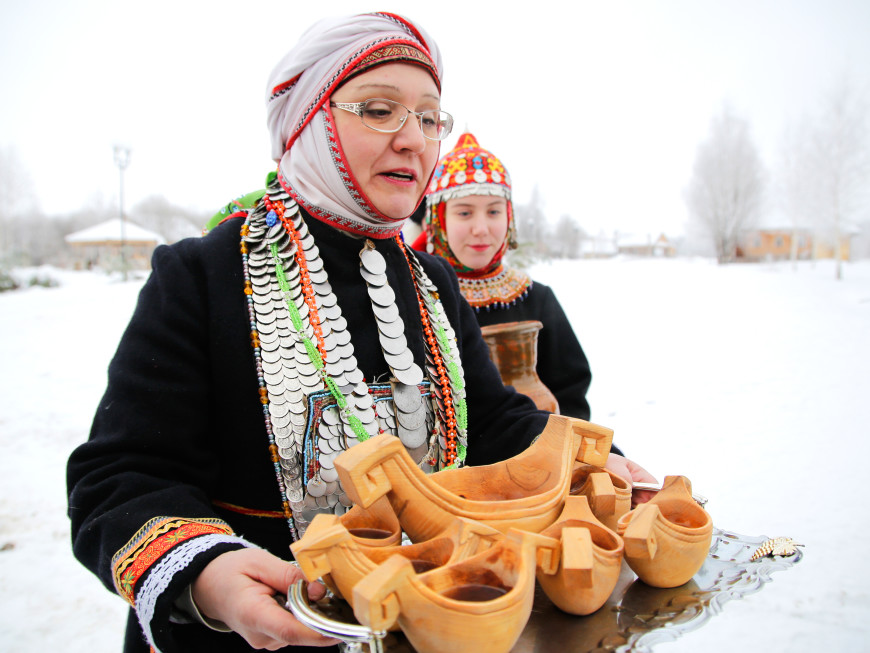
{"x":389,"y":116}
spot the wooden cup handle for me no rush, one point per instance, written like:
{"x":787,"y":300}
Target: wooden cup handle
{"x":375,"y":600}
{"x":639,"y":537}
{"x":577,"y":554}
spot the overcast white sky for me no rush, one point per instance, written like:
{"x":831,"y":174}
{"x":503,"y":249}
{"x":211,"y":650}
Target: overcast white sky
{"x":601,"y":104}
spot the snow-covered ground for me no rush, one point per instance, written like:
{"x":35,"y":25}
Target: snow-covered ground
{"x":752,"y":380}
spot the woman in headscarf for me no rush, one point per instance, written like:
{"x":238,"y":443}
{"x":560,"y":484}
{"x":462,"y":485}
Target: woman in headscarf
{"x":469,"y":221}
{"x":291,"y":331}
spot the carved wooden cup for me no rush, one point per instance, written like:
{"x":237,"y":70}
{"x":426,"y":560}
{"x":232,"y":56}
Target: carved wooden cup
{"x":609,"y":494}
{"x":579,"y":570}
{"x":526,"y":492}
{"x":667,"y":538}
{"x":480,"y":604}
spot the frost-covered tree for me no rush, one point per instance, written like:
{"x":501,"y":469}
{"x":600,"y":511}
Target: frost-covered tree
{"x":841,"y":157}
{"x":567,"y":237}
{"x":726,"y":189}
{"x":17,"y":200}
{"x":823,"y":176}
{"x":532,"y":223}
{"x":170,"y":221}
{"x":794,"y":186}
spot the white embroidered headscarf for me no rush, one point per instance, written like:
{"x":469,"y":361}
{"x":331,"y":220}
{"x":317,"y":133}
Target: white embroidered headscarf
{"x":312,"y":169}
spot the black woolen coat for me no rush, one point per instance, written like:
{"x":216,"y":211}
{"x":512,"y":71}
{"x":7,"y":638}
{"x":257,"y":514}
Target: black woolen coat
{"x":181,"y":426}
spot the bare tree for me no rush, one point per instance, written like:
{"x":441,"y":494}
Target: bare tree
{"x":725,"y":192}
{"x":17,"y":201}
{"x":841,"y":156}
{"x":794,"y":183}
{"x":567,"y":236}
{"x":532,"y":223}
{"x":172,"y":222}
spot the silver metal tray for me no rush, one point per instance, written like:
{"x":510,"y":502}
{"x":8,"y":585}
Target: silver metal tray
{"x":635,"y":617}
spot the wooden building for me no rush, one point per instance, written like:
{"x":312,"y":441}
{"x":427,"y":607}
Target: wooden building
{"x":101,"y":246}
{"x":773,"y":244}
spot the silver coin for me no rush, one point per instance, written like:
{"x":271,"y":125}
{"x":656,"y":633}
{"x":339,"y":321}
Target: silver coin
{"x":365,"y":401}
{"x":412,"y":376}
{"x":392,"y":329}
{"x":382,"y":295}
{"x":271,"y":338}
{"x":330,"y":299}
{"x":372,"y":278}
{"x":328,"y":445}
{"x":394,"y":345}
{"x":344,"y":500}
{"x":411,"y":421}
{"x":342,"y":337}
{"x":267,"y":328}
{"x":330,"y":416}
{"x":343,"y":351}
{"x":413,"y":438}
{"x":339,"y":324}
{"x":307,"y":241}
{"x":327,"y":460}
{"x":400,"y":361}
{"x":386,"y":313}
{"x":341,"y":381}
{"x":373,"y":260}
{"x":354,"y":376}
{"x":381,"y":408}
{"x":334,"y":364}
{"x":277,"y":411}
{"x":294,"y":494}
{"x":316,"y":487}
{"x":269,"y":346}
{"x":321,"y":281}
{"x":274,"y":379}
{"x":406,"y":397}
{"x":295,"y":395}
{"x":292,"y":272}
{"x":329,"y":341}
{"x":350,"y":365}
{"x":366,"y":415}
{"x":306,"y":369}
{"x":349,"y":433}
{"x":315,"y":264}
{"x":330,"y":312}
{"x":261,"y":299}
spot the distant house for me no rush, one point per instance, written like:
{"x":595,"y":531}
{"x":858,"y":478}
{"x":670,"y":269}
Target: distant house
{"x":100,"y":245}
{"x":645,"y":246}
{"x":776,"y":244}
{"x":600,"y":246}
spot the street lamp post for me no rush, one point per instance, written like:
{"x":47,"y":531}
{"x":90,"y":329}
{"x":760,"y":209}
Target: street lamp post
{"x":122,"y":160}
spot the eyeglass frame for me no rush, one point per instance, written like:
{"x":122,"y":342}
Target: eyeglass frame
{"x":356,"y":108}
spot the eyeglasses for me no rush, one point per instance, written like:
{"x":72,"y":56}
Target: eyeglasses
{"x":386,"y":116}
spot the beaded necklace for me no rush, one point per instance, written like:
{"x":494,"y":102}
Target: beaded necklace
{"x":437,"y":339}
{"x":499,"y":289}
{"x":305,"y":298}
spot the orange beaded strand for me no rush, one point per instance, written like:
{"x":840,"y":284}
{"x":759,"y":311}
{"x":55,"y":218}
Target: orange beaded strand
{"x":444,"y":381}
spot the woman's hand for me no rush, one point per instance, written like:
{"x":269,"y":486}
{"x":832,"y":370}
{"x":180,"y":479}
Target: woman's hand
{"x":238,"y":589}
{"x":633,"y":473}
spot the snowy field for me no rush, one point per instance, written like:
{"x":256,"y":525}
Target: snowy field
{"x":752,"y":380}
